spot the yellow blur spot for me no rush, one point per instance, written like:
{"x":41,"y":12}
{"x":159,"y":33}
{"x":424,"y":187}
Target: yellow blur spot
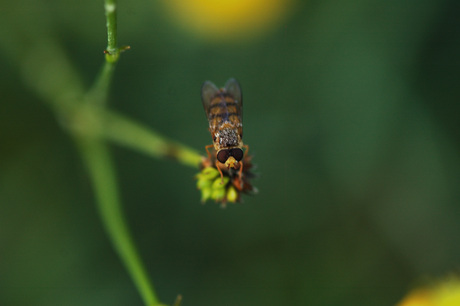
{"x":225,"y":20}
{"x":417,"y":298}
{"x":446,"y":293}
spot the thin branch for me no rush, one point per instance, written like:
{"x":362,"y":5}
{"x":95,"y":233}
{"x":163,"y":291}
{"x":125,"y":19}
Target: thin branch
{"x":131,"y":134}
{"x":111,"y":17}
{"x":97,"y":158}
{"x":50,"y":74}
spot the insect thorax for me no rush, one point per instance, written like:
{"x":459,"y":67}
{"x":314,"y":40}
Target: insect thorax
{"x":227,"y":137}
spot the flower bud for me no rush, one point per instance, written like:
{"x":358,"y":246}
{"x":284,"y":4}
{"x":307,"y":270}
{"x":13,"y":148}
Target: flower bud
{"x":218,"y":194}
{"x":220,"y":183}
{"x":206,"y":194}
{"x":232,"y":194}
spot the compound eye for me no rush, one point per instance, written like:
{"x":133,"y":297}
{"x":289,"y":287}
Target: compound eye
{"x":237,"y":153}
{"x":222,"y":156}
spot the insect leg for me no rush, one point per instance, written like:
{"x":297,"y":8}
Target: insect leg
{"x":220,"y":171}
{"x":246,"y":151}
{"x":240,"y":174}
{"x":207,"y":150}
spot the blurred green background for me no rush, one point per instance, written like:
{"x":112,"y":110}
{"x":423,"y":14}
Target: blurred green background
{"x":350,"y":108}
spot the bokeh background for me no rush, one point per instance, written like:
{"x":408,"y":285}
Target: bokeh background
{"x":351,"y":109}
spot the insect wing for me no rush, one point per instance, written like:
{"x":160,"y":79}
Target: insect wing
{"x":233,"y":88}
{"x":208,"y":92}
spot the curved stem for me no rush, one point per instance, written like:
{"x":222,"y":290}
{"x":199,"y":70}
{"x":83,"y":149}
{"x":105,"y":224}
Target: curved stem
{"x":102,"y":174}
{"x":50,"y":74}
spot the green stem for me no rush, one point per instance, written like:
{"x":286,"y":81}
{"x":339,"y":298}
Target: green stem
{"x":50,"y":74}
{"x":111,"y":17}
{"x":102,"y":174}
{"x":98,"y":93}
{"x":93,"y":121}
{"x":97,"y":158}
{"x":128,"y":133}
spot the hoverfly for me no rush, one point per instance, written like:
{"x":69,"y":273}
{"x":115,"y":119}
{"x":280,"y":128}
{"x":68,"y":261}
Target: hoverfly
{"x":224,"y":110}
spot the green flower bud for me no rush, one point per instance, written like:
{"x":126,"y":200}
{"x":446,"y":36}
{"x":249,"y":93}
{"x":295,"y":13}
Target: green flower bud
{"x":219,"y":183}
{"x":218,"y":194}
{"x":206,"y":194}
{"x":226,"y":186}
{"x":208,"y":173}
{"x":203,"y":183}
{"x":232,"y":194}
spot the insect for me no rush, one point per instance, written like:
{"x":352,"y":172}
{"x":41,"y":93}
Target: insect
{"x":224,"y":110}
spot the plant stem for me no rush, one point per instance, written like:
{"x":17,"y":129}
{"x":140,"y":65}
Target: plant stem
{"x":111,"y":17}
{"x":102,"y":174}
{"x":131,"y":134}
{"x":50,"y":74}
{"x":97,"y":158}
{"x":98,"y":93}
